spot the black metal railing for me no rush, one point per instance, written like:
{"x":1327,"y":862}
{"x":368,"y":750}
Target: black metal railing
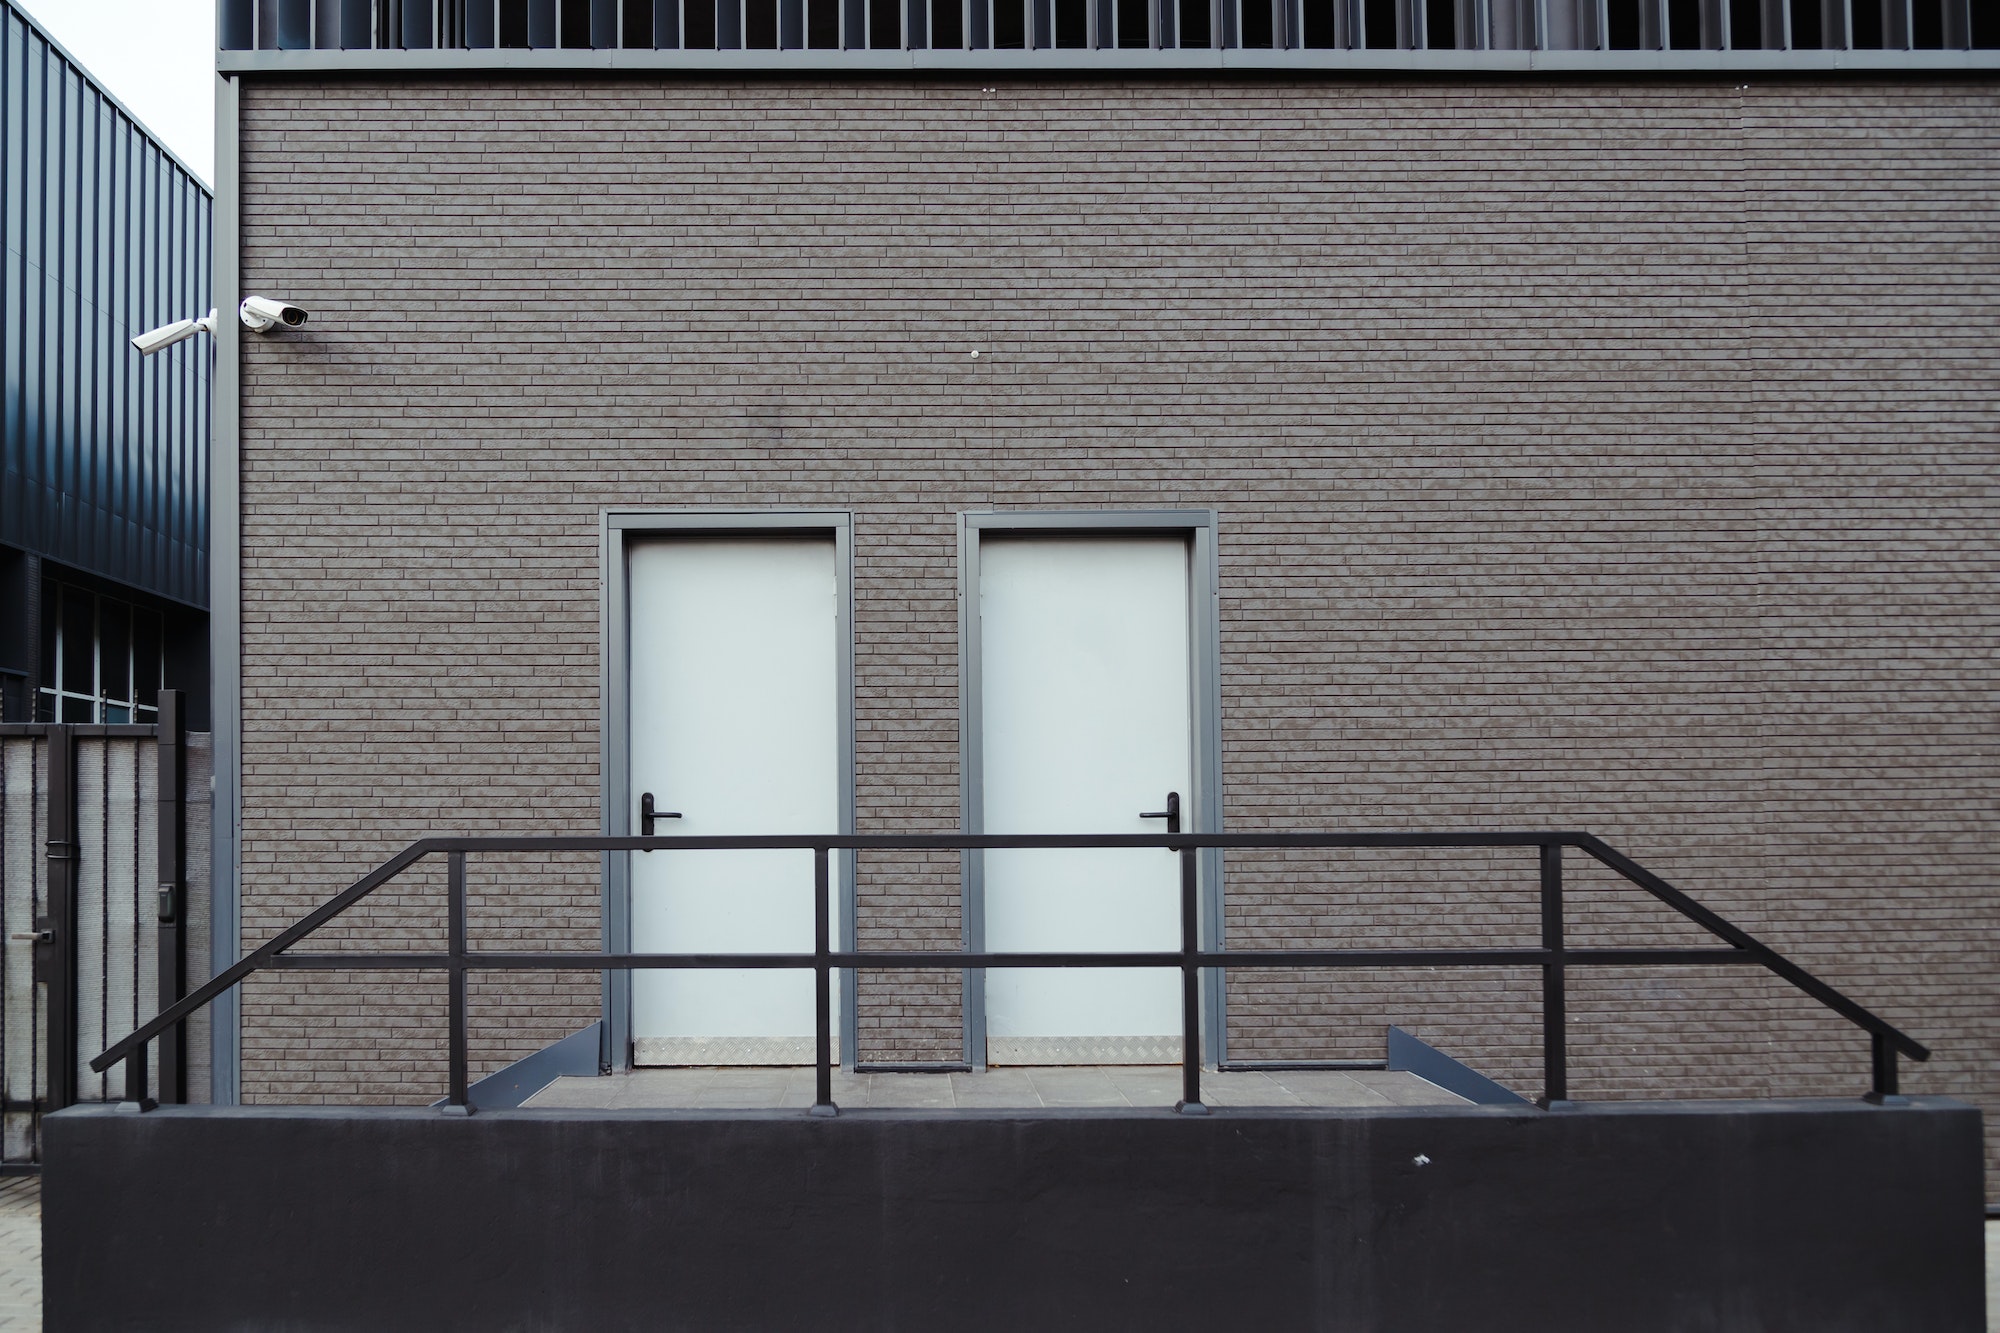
{"x":1554,"y":956}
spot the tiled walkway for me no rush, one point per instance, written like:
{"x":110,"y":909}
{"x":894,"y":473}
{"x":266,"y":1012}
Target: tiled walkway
{"x":1993,"y":1276}
{"x":20,"y":1254}
{"x":995,"y":1089}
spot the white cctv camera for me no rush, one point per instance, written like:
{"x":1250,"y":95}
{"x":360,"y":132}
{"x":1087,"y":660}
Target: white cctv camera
{"x":178,"y":331}
{"x":261,"y":314}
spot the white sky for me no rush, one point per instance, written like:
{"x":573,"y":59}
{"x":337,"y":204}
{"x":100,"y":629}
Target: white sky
{"x":156,"y":56}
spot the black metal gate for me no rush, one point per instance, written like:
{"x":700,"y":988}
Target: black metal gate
{"x":95,"y":923}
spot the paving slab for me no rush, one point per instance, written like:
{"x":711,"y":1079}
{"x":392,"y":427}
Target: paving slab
{"x":1993,"y":1275}
{"x":1076,"y":1087}
{"x":1401,"y":1089}
{"x":1146,"y":1085}
{"x":21,"y":1254}
{"x":1330,"y":1088}
{"x":994,"y":1090}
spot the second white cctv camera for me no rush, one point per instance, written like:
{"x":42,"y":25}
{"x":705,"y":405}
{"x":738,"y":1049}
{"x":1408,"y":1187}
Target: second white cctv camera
{"x":154,"y":340}
{"x":261,"y":314}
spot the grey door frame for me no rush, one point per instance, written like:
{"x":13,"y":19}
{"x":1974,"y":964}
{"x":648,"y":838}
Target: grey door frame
{"x":1198,"y":527}
{"x":619,"y":530}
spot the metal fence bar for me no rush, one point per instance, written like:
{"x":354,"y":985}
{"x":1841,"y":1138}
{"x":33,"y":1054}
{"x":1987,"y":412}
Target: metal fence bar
{"x":21,"y":866}
{"x":455,"y":1097}
{"x":172,"y":757}
{"x":1882,"y":1053}
{"x":135,"y":1078}
{"x":56,"y":931}
{"x":1742,"y":939}
{"x":822,"y":982}
{"x":411,"y":960}
{"x":92,"y":957}
{"x":948,"y":842}
{"x":1555,"y":1016}
{"x":1190,"y":1102}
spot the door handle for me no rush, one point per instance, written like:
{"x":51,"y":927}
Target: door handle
{"x":1172,"y":814}
{"x":647,"y":814}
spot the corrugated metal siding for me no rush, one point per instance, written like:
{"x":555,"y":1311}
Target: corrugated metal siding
{"x":106,"y":452}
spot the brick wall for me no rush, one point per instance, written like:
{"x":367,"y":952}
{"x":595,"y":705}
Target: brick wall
{"x":1602,"y":455}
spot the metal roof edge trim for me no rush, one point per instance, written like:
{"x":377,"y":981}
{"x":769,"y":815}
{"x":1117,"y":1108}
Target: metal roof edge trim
{"x":1148,"y":61}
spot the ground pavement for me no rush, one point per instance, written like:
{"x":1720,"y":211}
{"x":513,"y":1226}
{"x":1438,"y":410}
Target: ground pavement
{"x":20,"y":1253}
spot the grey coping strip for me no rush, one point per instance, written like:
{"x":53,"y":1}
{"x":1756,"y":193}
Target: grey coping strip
{"x":1053,"y":1086}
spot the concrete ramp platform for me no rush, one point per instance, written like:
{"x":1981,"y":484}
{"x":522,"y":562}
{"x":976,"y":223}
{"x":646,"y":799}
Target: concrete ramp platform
{"x":1758,"y":1217}
{"x":1051,"y":1087}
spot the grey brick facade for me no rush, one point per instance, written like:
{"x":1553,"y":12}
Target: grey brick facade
{"x":1614,"y":455}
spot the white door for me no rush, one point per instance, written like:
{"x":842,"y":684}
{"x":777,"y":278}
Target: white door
{"x":1085,"y":724}
{"x":734,"y":716}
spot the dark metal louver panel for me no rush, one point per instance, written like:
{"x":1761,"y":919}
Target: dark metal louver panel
{"x":1410,"y":25}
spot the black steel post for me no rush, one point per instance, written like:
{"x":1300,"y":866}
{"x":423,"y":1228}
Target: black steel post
{"x":1884,"y":1088}
{"x":1555,"y":1013}
{"x":1190,"y":1102}
{"x":456,"y":1102}
{"x":138,"y":1097}
{"x":822,"y":986}
{"x":172,"y":749}
{"x":56,"y":930}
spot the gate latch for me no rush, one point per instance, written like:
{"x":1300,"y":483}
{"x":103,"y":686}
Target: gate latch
{"x":44,"y":938}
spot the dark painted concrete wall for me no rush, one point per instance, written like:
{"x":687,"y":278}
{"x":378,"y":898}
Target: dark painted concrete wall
{"x":1786,"y":1218}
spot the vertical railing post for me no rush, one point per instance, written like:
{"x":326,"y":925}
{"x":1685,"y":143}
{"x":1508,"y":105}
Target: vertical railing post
{"x":1555,"y":1016}
{"x":1190,"y":1102}
{"x":55,"y":932}
{"x":822,"y":985}
{"x":1883,"y":1089}
{"x":456,"y":1101}
{"x":171,"y":746}
{"x":137,"y":1096}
